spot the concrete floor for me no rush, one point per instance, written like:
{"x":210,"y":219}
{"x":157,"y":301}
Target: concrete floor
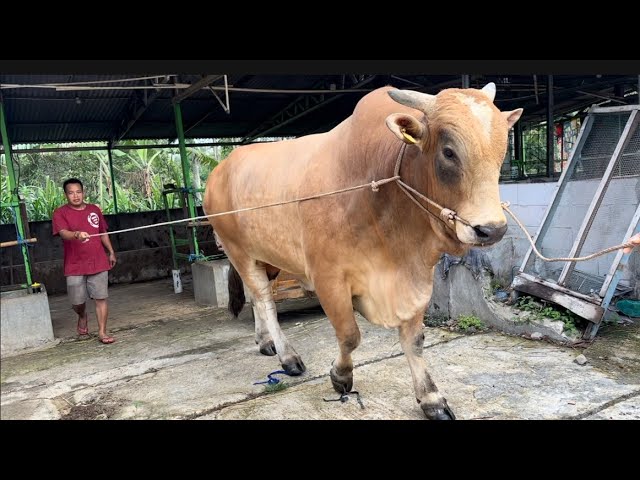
{"x":175,"y":360}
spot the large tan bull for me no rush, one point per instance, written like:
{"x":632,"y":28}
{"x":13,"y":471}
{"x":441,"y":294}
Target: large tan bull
{"x":372,"y":251}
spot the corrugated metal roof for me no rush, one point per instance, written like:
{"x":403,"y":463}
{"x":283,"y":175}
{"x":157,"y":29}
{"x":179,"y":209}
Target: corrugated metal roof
{"x":37,"y":113}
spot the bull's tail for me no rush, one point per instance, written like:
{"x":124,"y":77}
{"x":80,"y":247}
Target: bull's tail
{"x":236,"y":291}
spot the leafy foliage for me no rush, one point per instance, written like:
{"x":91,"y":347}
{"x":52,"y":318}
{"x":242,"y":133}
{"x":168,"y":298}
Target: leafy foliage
{"x":139,"y":174}
{"x":468,"y":322}
{"x":495,"y":285}
{"x":539,"y":311}
{"x":436,"y":319}
{"x":276,"y":387}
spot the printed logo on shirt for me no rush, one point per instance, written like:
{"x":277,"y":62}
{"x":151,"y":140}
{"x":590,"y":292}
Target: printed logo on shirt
{"x":92,"y":218}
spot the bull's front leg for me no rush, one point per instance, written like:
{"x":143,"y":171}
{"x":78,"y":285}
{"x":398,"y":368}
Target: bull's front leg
{"x":336,"y":302}
{"x":432,"y":403}
{"x":348,"y":335}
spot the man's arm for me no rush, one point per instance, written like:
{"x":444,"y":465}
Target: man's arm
{"x":105,"y":238}
{"x":60,"y":227}
{"x":106,"y":241}
{"x":69,"y":235}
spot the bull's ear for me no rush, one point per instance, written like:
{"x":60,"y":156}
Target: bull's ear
{"x":405,"y":127}
{"x":513,"y":116}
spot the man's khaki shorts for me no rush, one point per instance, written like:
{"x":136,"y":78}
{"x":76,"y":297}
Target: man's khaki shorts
{"x":95,"y":286}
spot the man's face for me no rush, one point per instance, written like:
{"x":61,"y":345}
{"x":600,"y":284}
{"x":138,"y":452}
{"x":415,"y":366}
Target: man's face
{"x":74,"y":194}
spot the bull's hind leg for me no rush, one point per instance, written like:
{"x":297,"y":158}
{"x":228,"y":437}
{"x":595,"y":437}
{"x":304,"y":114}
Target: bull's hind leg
{"x":337,"y":304}
{"x":432,"y":403}
{"x":255,"y":277}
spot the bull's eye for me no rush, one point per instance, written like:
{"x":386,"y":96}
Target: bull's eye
{"x":448,"y":153}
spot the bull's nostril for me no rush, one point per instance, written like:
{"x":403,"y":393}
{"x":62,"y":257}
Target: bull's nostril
{"x":480,"y":232}
{"x":490,"y":233}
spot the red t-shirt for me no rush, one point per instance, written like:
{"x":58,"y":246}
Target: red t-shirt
{"x":82,"y":258}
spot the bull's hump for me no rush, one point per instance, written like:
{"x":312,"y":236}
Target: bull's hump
{"x":481,"y":111}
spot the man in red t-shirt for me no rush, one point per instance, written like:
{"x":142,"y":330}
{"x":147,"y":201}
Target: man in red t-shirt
{"x":86,"y":264}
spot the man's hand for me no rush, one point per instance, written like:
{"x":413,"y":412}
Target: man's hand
{"x":82,"y":236}
{"x":112,"y":259}
{"x":635,"y":240}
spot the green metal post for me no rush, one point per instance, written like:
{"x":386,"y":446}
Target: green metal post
{"x":13,"y":188}
{"x":113,"y":180}
{"x":186,"y":172}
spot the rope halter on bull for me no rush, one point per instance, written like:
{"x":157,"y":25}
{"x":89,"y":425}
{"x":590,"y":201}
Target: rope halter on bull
{"x":446,"y":215}
{"x":450,"y":217}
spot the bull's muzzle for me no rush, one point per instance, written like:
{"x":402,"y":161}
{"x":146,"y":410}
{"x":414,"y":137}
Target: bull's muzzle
{"x":490,"y":233}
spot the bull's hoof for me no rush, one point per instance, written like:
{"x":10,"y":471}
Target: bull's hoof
{"x":294,"y":366}
{"x":268,"y":348}
{"x":341,"y":383}
{"x":438,"y":412}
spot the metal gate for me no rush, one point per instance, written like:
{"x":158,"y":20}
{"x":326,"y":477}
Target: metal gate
{"x":595,"y":205}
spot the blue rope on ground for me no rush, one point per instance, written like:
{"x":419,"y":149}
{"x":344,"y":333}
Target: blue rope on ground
{"x":272,"y":380}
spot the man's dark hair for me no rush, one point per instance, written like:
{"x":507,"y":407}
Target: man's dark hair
{"x":71,"y":180}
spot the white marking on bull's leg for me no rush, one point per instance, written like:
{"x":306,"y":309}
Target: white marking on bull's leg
{"x":412,"y":341}
{"x":258,"y":283}
{"x":263,"y":337}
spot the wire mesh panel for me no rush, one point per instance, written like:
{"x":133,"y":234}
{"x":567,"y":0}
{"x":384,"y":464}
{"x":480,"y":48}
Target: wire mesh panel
{"x":575,"y":196}
{"x":611,"y":220}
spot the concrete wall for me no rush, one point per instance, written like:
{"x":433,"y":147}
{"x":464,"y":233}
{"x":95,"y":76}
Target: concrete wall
{"x":25,"y":321}
{"x":529,"y":202}
{"x":142,"y":254}
{"x":146,"y":254}
{"x":459,"y":293}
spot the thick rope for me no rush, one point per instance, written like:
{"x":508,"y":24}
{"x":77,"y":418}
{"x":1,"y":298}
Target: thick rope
{"x":505,"y":206}
{"x":373,"y":185}
{"x":447,"y":216}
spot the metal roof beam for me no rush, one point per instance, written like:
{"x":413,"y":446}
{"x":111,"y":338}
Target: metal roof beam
{"x":196,"y":87}
{"x":562,"y":93}
{"x":301,"y":106}
{"x":613,"y":98}
{"x":225,"y":106}
{"x":118,"y":147}
{"x":122,"y":131}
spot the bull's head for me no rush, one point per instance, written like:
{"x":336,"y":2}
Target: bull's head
{"x":463,"y":139}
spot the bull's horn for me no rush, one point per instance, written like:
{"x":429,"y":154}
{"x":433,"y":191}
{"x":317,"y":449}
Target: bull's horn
{"x":490,"y":90}
{"x":418,"y":100}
